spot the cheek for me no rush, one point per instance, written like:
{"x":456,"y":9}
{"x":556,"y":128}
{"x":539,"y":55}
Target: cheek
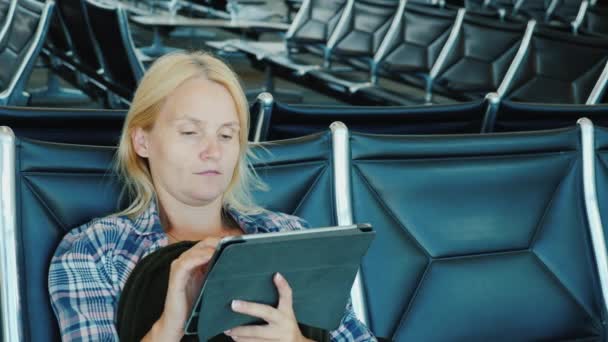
{"x":168,"y":157}
{"x":231,"y":159}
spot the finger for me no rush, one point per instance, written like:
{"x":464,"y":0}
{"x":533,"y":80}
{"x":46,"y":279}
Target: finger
{"x":252,"y":331}
{"x":263,"y":311}
{"x":194,"y":257}
{"x":183,"y":266}
{"x":285,"y":294}
{"x":207,"y":242}
{"x":250,"y":339}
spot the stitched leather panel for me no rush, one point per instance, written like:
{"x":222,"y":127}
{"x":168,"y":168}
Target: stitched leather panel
{"x":20,"y":36}
{"x":63,"y":186}
{"x":474,"y":235}
{"x":548,"y":73}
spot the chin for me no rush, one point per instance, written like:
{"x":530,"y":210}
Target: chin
{"x":204,"y":198}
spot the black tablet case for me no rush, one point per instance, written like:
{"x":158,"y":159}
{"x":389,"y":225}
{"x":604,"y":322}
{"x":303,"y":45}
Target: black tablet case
{"x":320,"y":267}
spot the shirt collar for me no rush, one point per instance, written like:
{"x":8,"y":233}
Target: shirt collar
{"x":148,"y":222}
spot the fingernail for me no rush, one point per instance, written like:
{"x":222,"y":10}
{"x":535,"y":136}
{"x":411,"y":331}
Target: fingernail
{"x":236,"y":304}
{"x":278,"y":276}
{"x":227,"y":332}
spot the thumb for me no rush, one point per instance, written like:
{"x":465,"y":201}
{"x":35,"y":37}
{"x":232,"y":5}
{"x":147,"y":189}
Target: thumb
{"x":285,"y":294}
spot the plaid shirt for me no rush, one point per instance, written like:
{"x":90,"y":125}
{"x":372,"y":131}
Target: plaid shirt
{"x":92,"y":263}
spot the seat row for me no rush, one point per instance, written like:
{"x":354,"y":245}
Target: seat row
{"x":272,"y":120}
{"x":92,"y":48}
{"x":23,"y":28}
{"x":398,"y":52}
{"x":90,"y":44}
{"x":490,"y":237}
{"x":580,"y":16}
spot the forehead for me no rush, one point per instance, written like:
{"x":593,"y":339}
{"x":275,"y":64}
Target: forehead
{"x":200,"y":99}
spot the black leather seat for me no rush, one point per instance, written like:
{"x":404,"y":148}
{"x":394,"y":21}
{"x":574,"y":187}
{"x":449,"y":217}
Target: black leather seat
{"x":283,"y":121}
{"x":566,"y":11}
{"x":533,"y":9}
{"x":4,"y":9}
{"x":480,"y":57}
{"x":67,"y":125}
{"x":24,"y":41}
{"x":4,"y":5}
{"x":109,"y":25}
{"x":474,"y":65}
{"x":595,"y":20}
{"x":365,"y":28}
{"x":558,"y":68}
{"x":479,"y":237}
{"x":87,"y":54}
{"x":57,"y":43}
{"x":499,"y":8}
{"x":424,"y":32}
{"x":601,"y":173}
{"x":358,"y":43}
{"x":75,"y":126}
{"x":88,"y":57}
{"x":411,"y":55}
{"x":307,"y":37}
{"x":61,"y":186}
{"x":318,"y":21}
{"x":517,"y":116}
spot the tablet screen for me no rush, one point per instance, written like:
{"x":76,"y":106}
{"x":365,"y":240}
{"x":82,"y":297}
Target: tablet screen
{"x":320,"y":265}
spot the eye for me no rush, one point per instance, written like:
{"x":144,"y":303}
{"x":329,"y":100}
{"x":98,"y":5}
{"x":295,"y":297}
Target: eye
{"x":225,"y":136}
{"x":187,"y":132}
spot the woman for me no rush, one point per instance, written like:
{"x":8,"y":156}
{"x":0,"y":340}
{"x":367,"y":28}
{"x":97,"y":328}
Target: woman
{"x":183,"y":156}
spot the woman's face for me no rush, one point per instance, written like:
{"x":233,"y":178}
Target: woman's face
{"x":193,"y":147}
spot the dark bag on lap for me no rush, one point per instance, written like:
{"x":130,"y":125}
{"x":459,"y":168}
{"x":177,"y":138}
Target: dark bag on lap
{"x":143,"y":297}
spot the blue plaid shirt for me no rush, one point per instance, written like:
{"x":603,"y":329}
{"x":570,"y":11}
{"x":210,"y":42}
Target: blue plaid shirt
{"x":92,"y":263}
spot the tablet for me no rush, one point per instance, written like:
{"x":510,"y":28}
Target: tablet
{"x":320,"y":265}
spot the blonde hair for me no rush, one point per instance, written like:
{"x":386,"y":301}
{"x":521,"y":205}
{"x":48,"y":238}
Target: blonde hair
{"x":166,"y":74}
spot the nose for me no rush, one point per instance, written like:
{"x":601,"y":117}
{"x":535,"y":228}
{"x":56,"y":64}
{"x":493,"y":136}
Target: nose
{"x":210,"y":148}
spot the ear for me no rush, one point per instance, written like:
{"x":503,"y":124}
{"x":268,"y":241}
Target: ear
{"x":139,"y":139}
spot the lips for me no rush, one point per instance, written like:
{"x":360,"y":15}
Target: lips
{"x":209,"y":173}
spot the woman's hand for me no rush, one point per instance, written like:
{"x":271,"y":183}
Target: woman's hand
{"x":282,"y":324}
{"x":185,"y":280}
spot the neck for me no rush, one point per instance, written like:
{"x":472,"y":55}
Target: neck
{"x":185,"y":222}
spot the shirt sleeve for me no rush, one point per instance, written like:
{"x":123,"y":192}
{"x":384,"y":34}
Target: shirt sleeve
{"x":82,"y":292}
{"x":351,"y":329}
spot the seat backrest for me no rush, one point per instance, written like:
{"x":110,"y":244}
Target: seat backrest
{"x":500,"y":8}
{"x":110,"y":28}
{"x":60,"y":186}
{"x":566,"y":10}
{"x":595,"y":20}
{"x":559,"y":68}
{"x":424,"y":32}
{"x":299,"y":173}
{"x":287,"y":121}
{"x":480,"y":57}
{"x":7,"y":10}
{"x":367,"y":27}
{"x":475,"y":233}
{"x":25,"y":38}
{"x":57,"y":38}
{"x":316,"y":22}
{"x":74,"y":126}
{"x":4,"y":6}
{"x":84,"y":46}
{"x":601,"y":173}
{"x":534,"y":9}
{"x":517,"y":116}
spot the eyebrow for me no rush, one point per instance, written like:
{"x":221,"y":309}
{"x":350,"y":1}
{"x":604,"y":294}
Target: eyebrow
{"x":232,"y":124}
